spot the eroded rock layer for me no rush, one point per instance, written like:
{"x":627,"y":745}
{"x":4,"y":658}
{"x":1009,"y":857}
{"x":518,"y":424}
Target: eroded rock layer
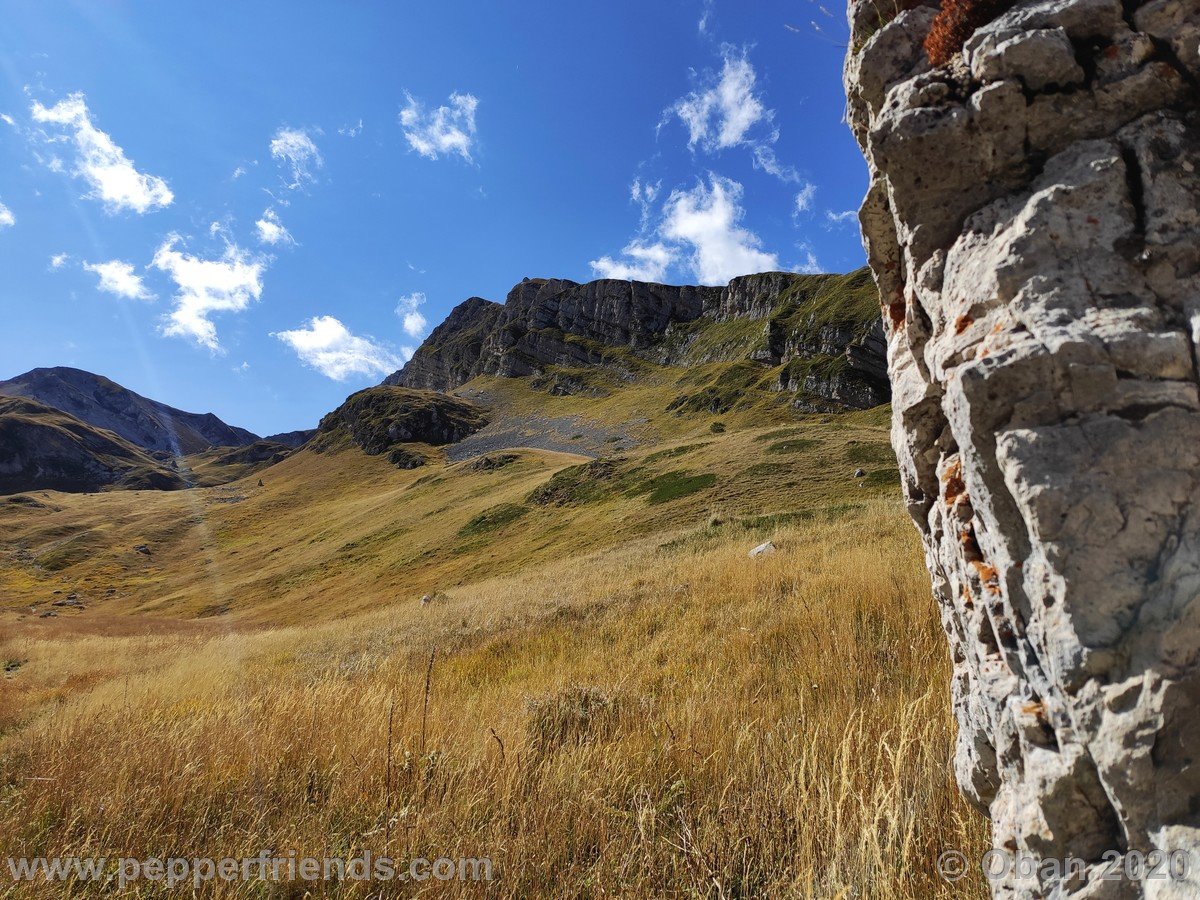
{"x":1033,"y":223}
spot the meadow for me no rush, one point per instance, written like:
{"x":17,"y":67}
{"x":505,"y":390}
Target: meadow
{"x":605,"y":695}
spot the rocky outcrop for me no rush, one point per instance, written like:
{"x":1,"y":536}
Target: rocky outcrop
{"x":46,"y":449}
{"x":450,"y":355}
{"x":552,"y":328}
{"x":379,"y":419}
{"x":143,"y":422}
{"x":1032,"y":224}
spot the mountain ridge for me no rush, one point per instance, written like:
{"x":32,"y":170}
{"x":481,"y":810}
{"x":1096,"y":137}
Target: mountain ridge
{"x":823,"y":332}
{"x":103,"y":403}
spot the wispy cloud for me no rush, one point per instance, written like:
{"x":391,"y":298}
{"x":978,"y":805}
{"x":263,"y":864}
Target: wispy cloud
{"x":706,"y":16}
{"x":271,"y":230}
{"x":101,"y":163}
{"x":58,"y":260}
{"x":809,"y":265}
{"x":409,"y":311}
{"x":351,"y":130}
{"x":325,"y":344}
{"x":643,"y":193}
{"x":838,"y":219}
{"x":726,"y":111}
{"x":117,"y":278}
{"x":804,"y":199}
{"x":445,"y":130}
{"x":297,"y":154}
{"x":7,"y":219}
{"x":206,"y":287}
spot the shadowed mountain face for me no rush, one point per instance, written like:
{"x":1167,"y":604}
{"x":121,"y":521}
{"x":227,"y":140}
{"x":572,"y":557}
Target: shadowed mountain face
{"x":46,"y":449}
{"x":144,"y":423}
{"x":823,"y":333}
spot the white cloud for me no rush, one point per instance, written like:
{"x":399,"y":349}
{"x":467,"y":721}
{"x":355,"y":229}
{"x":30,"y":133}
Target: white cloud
{"x":706,"y":15}
{"x":408,"y":309}
{"x":101,"y":163}
{"x":58,"y":260}
{"x":351,"y":130}
{"x":643,"y":262}
{"x":445,"y":130}
{"x":727,"y":112}
{"x":8,"y":120}
{"x":7,"y":219}
{"x":271,"y":230}
{"x":835,"y":219}
{"x":118,"y":278}
{"x":237,"y":173}
{"x":325,"y":344}
{"x":707,"y":220}
{"x":293,"y":149}
{"x":207,"y":286}
{"x":699,"y":230}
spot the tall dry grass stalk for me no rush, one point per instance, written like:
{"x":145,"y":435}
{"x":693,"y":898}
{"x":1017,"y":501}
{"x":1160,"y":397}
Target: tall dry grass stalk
{"x":682,"y":722}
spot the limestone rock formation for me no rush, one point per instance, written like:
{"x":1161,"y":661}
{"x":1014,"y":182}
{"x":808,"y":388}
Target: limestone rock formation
{"x":1033,"y":223}
{"x":824,"y":330}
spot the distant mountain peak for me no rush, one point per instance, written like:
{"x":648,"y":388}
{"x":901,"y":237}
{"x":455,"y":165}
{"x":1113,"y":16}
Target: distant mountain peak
{"x":145,"y":423}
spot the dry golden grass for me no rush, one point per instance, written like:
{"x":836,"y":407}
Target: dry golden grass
{"x":339,"y":533}
{"x":639,"y":722}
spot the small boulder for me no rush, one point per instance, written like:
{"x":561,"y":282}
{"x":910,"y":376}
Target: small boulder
{"x":762,"y":550}
{"x":143,"y":549}
{"x":426,"y":600}
{"x":48,"y":614}
{"x":859,"y":473}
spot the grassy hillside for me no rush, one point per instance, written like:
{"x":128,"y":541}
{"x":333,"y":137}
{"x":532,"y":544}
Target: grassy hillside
{"x":601,"y":691}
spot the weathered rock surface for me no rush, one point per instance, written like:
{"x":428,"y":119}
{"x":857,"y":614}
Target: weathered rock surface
{"x":143,"y":422}
{"x":1033,"y":223}
{"x":552,"y":329}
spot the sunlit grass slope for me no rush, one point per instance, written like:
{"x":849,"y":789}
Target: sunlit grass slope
{"x":331,"y":533}
{"x":621,"y":701}
{"x":665,"y":718}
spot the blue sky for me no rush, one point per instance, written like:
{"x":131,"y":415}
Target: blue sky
{"x":257,"y":208}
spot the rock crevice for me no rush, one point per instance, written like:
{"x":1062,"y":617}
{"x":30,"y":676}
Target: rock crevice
{"x":1033,"y":224}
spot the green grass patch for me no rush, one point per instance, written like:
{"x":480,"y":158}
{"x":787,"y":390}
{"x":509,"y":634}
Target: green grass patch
{"x":864,"y":454}
{"x":576,"y":484}
{"x":673,"y":485}
{"x":777,"y":434}
{"x":673,"y":452}
{"x":494,"y":518}
{"x":795,"y":445}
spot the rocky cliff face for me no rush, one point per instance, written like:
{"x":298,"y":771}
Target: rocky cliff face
{"x":1032,"y":224}
{"x":546,"y":326}
{"x":143,"y":422}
